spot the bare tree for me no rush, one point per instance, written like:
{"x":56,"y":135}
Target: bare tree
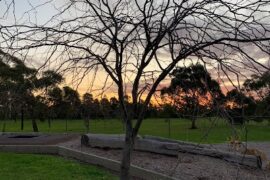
{"x":138,"y":43}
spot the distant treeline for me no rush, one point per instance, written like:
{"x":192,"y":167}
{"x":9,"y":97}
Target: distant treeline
{"x":27,"y":93}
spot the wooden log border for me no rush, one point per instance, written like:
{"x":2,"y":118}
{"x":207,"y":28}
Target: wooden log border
{"x":170,"y":147}
{"x":110,"y":164}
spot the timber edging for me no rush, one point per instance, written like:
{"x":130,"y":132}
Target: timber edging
{"x":110,"y":164}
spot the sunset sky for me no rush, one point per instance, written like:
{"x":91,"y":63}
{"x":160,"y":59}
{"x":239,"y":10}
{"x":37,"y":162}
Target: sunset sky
{"x":25,"y":12}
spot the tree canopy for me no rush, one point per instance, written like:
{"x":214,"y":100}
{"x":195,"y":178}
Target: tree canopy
{"x":19,"y":82}
{"x":193,"y":90}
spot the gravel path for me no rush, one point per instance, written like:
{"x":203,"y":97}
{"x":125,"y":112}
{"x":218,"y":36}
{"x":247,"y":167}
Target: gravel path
{"x":193,"y":166}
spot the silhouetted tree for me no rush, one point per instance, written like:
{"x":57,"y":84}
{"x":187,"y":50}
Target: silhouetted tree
{"x":71,"y":102}
{"x":191,"y":89}
{"x":88,"y":106}
{"x":239,"y":105}
{"x":105,"y":107}
{"x":98,"y":113}
{"x":19,"y":82}
{"x":41,"y":109}
{"x":115,"y":109}
{"x":55,"y":98}
{"x":259,"y":88}
{"x":168,"y":111}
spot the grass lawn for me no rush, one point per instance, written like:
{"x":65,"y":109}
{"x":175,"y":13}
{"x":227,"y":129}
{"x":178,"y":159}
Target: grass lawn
{"x":46,"y":167}
{"x":209,"y":130}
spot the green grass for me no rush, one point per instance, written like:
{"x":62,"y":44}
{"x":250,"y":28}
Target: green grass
{"x":45,"y":167}
{"x":209,"y":130}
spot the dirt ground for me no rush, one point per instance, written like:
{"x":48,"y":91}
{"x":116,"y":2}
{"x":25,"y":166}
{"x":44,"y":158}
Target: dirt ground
{"x":187,"y":165}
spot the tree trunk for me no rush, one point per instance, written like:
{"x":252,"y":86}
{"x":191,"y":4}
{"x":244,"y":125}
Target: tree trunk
{"x":4,"y":126}
{"x":34,"y":122}
{"x":169,"y":127}
{"x":49,"y":123}
{"x":15,"y":117}
{"x":194,"y":116}
{"x":126,"y":157}
{"x":34,"y":125}
{"x":22,"y":118}
{"x":86,"y":121}
{"x":193,"y":123}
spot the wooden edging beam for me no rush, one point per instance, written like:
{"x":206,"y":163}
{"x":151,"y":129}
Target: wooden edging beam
{"x":87,"y":158}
